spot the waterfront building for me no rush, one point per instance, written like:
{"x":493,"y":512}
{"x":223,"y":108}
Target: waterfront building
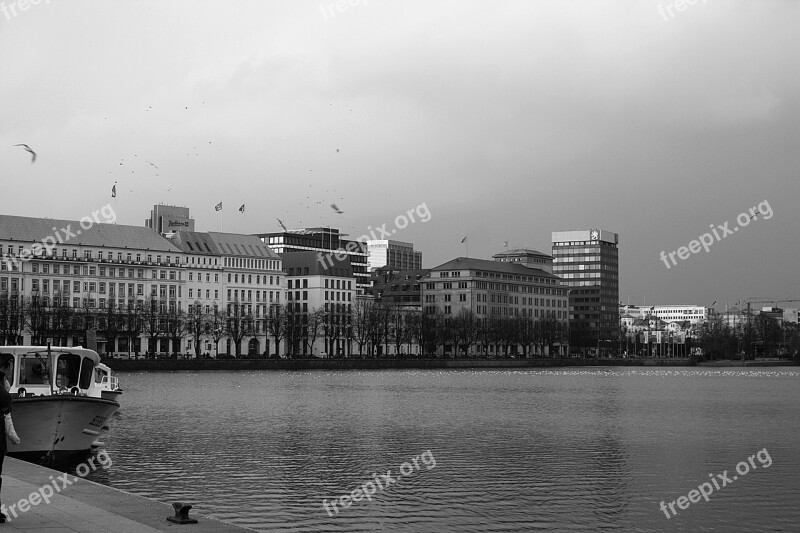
{"x":167,"y":219}
{"x":237,"y":275}
{"x":695,"y":314}
{"x":588,"y":263}
{"x":86,"y":284}
{"x":791,"y":316}
{"x":319,"y":304}
{"x":394,"y":254}
{"x":493,"y":291}
{"x":327,"y":242}
{"x":128,"y":290}
{"x":398,"y":287}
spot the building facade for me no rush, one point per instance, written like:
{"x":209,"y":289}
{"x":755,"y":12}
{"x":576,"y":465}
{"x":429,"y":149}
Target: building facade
{"x":394,"y":254}
{"x":493,"y":291}
{"x":329,"y":245}
{"x":588,"y":263}
{"x":167,"y":219}
{"x":526,"y":257}
{"x":319,"y":305}
{"x":128,"y":290}
{"x":236,"y":275}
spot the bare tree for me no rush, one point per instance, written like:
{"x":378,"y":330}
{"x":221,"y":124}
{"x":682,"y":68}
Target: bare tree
{"x":217,"y":327}
{"x":110,"y":325}
{"x":276,"y":325}
{"x":153,"y":323}
{"x":238,"y":325}
{"x":175,"y":322}
{"x":362,"y":317}
{"x":314,"y":321}
{"x":12,"y":318}
{"x":197,"y":324}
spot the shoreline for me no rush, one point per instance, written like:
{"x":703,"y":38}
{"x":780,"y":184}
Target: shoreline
{"x":165,"y":365}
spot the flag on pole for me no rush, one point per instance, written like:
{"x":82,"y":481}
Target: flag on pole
{"x":241,"y":209}
{"x":114,"y":191}
{"x":218,"y":207}
{"x":505,"y":244}
{"x":464,"y":239}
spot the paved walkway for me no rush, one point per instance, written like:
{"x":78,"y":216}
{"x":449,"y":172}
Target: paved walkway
{"x":87,"y":507}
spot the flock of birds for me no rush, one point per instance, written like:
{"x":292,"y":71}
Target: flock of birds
{"x":28,"y":149}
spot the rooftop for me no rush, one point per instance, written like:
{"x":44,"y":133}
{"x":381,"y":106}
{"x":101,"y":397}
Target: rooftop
{"x":28,"y":230}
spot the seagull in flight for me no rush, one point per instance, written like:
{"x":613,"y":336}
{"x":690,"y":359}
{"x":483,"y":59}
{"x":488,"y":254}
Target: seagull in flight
{"x":153,"y":165}
{"x":282,"y":224}
{"x":338,"y":211}
{"x":28,"y":149}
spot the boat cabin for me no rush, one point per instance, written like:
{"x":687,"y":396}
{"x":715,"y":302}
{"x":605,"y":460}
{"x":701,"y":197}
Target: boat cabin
{"x":43,"y":371}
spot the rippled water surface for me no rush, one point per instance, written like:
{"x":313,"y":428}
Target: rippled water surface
{"x":551,"y":450}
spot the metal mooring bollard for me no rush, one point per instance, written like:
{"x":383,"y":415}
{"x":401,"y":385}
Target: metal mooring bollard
{"x":181,"y":514}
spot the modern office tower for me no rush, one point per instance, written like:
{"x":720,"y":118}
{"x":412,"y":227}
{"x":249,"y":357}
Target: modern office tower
{"x":588,"y":263}
{"x":394,"y":254}
{"x":167,"y":219}
{"x":327,"y":242}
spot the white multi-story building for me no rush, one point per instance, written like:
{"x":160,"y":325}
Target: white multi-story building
{"x":57,"y":270}
{"x":395,"y":254}
{"x":319,"y":303}
{"x":237,"y":274}
{"x":127,"y":289}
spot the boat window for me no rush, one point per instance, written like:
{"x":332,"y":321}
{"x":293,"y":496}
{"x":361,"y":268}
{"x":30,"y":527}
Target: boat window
{"x":87,"y":367}
{"x":67,"y":369}
{"x":34,"y":370}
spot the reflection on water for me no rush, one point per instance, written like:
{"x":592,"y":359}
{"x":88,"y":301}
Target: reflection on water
{"x":516,"y":450}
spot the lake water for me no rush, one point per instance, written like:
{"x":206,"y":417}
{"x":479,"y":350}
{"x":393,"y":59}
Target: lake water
{"x":515,"y":450}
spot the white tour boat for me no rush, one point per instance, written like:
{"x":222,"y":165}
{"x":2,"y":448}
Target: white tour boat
{"x":57,"y":406}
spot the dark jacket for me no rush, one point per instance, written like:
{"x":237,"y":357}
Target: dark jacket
{"x":5,"y":408}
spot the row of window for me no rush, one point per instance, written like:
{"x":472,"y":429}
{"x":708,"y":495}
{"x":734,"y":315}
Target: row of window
{"x":237,"y":294}
{"x":87,"y":254}
{"x":505,"y":311}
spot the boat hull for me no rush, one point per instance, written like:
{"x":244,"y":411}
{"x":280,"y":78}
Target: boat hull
{"x":58,"y":428}
{"x":111,"y":394}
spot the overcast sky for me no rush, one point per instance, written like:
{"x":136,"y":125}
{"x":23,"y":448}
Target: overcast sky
{"x":507,"y":120}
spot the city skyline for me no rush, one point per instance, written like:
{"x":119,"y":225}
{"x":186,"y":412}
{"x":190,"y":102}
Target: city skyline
{"x":531,"y":121}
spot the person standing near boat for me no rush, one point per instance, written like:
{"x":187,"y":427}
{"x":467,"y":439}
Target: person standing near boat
{"x":7,"y":426}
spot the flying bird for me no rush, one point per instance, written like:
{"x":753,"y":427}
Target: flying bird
{"x":338,"y":211}
{"x":282,"y":224}
{"x":153,"y":165}
{"x":28,"y":149}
